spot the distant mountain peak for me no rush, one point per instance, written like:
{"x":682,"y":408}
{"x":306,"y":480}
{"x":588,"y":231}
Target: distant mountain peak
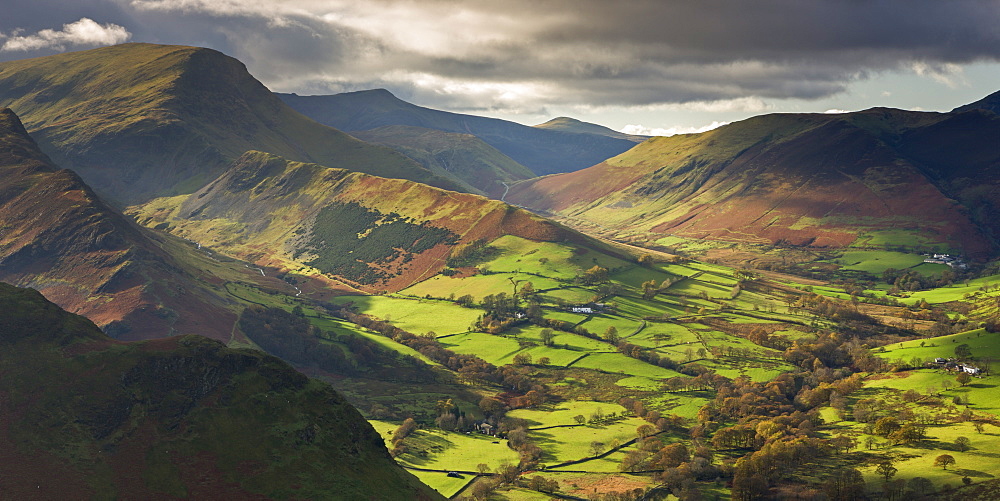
{"x":573,"y":125}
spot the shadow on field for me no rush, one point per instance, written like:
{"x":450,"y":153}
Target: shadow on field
{"x":972,"y":473}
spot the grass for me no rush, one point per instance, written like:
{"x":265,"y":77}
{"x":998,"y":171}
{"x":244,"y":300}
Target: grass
{"x":416,"y":315}
{"x":616,"y":362}
{"x":875,"y":262}
{"x":493,"y":349}
{"x":437,"y":449}
{"x":477,"y":286}
{"x":981,"y":393}
{"x":599,"y":323}
{"x":554,"y":260}
{"x":982,"y":344}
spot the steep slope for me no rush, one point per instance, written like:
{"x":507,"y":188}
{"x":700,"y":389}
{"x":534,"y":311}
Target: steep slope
{"x":567,"y":124}
{"x":989,"y":103}
{"x":138,"y":120}
{"x":361,"y":232}
{"x":900,"y":178}
{"x":542,"y":150}
{"x":61,"y":239}
{"x":86,"y":417}
{"x":482,"y":167}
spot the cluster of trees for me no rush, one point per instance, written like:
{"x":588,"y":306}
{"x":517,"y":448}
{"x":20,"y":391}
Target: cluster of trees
{"x":386,"y":238}
{"x":471,"y":254}
{"x":399,"y":436}
{"x":910,"y":280}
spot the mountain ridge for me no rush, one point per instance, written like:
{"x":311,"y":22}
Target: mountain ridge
{"x":804,"y":179}
{"x":544,"y":151}
{"x":141,"y":120}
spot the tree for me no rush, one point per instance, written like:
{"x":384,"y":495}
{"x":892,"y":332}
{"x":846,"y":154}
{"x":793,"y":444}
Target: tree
{"x":580,"y":419}
{"x":921,"y":486}
{"x":548,"y":336}
{"x":483,"y":468}
{"x":963,"y":352}
{"x":611,"y":335}
{"x":596,"y":448}
{"x":962,"y":443}
{"x":595,"y":275}
{"x":886,"y":469}
{"x":885,"y":425}
{"x":645,"y":430}
{"x":649,"y":289}
{"x":543,"y":361}
{"x":963,"y":378}
{"x":846,"y":485}
{"x":978,"y":425}
{"x":522,"y":359}
{"x":444,"y":406}
{"x":944,"y":460}
{"x":645,"y":260}
{"x":843,"y":443}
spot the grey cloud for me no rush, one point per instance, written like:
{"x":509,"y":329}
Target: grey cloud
{"x":483,"y":54}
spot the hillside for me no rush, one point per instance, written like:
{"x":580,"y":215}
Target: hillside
{"x":880,"y":177}
{"x":142,"y":120}
{"x":83,"y":416}
{"x":59,"y":238}
{"x":988,"y":103}
{"x":464,"y":156}
{"x":543,"y":150}
{"x":364,"y":232}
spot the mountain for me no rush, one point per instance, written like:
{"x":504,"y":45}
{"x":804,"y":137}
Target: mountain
{"x":83,"y":416}
{"x":543,"y":150}
{"x":989,"y":103}
{"x":567,"y":124}
{"x":354,"y":230}
{"x":60,"y":238}
{"x":464,"y":156}
{"x":877,"y":177}
{"x":142,"y":120}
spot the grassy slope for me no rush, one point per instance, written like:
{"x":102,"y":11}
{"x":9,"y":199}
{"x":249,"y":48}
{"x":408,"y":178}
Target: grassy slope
{"x":265,"y":208}
{"x":772,"y":178}
{"x":172,"y":418}
{"x":138,"y":120}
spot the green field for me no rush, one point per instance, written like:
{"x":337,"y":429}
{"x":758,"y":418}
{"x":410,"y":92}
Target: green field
{"x":415,"y":315}
{"x":436,"y":449}
{"x":875,"y":262}
{"x":982,"y":344}
{"x":616,"y":362}
{"x":478,"y":286}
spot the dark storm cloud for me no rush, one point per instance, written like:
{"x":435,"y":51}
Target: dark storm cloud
{"x":519,"y":54}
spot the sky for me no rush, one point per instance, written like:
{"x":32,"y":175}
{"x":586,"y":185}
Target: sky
{"x":641,"y":66}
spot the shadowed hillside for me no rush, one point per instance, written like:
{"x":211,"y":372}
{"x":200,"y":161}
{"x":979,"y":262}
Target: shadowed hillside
{"x":59,"y":238}
{"x":881,"y":176}
{"x":482,"y":167}
{"x":543,"y":150}
{"x":988,"y":103}
{"x":141,"y":120}
{"x":83,"y":416}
